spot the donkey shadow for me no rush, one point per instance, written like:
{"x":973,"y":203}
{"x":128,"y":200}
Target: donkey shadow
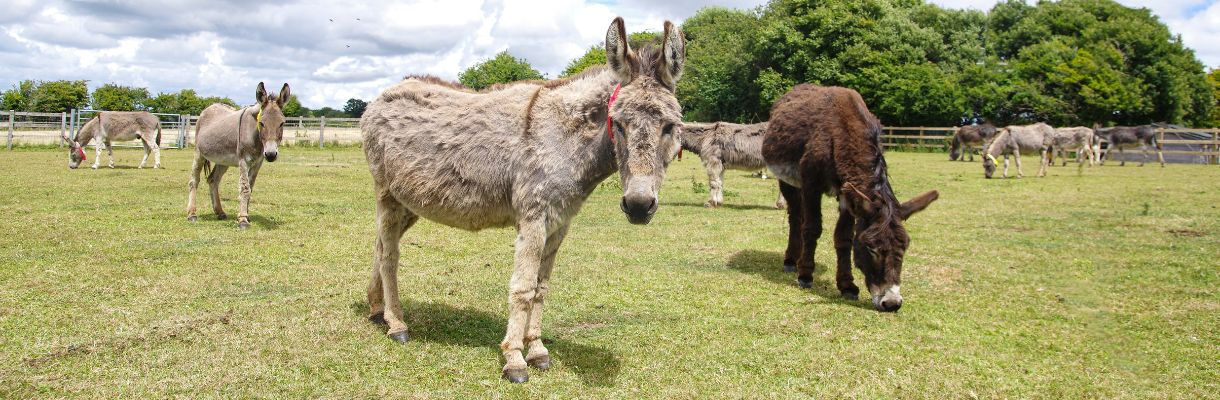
{"x":443,"y":323}
{"x":264,"y":222}
{"x":769,"y":265}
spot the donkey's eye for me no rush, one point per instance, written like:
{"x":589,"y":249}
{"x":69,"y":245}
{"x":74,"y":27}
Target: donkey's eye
{"x":667,"y":131}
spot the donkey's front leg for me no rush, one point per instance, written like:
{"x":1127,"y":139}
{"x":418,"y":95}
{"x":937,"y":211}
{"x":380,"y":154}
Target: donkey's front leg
{"x":1046,"y":161}
{"x":715,"y":181}
{"x":538,"y":356}
{"x":97,"y":157}
{"x":243,"y":186}
{"x":531,"y":243}
{"x":110,"y":154}
{"x":844,"y":230}
{"x":811,"y":230}
{"x":146,"y":151}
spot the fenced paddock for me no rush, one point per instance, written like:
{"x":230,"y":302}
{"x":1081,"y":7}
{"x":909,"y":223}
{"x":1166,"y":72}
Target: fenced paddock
{"x":1181,"y":145}
{"x":1090,"y":283}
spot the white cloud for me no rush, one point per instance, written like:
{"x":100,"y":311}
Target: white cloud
{"x":330,"y":51}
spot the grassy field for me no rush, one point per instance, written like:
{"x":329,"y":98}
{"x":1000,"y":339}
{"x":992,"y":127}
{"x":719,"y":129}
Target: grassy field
{"x":1101,"y":283}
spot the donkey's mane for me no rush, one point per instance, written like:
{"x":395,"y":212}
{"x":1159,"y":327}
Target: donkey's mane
{"x":648,"y":61}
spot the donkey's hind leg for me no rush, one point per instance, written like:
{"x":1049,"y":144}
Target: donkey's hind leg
{"x":193,"y":186}
{"x":392,"y":221}
{"x":811,"y":230}
{"x":110,"y":154}
{"x":147,"y":151}
{"x":218,"y":171}
{"x":844,"y":231}
{"x":538,"y":356}
{"x":97,"y":159}
{"x":795,"y":218}
{"x":715,"y":181}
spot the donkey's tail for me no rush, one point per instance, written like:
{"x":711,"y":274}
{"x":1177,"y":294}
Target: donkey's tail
{"x":206,"y":166}
{"x":158,"y":134}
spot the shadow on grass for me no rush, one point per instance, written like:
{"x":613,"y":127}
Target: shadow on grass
{"x":770,"y":266}
{"x":443,"y":323}
{"x":725,"y":205}
{"x":264,"y":222}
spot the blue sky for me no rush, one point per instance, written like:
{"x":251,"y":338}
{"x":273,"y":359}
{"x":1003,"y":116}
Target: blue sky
{"x":330,"y":51}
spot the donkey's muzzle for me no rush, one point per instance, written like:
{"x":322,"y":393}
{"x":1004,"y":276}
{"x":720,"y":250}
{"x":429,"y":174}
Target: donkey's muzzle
{"x":639,"y":209}
{"x":271,"y":155}
{"x":888,"y":301}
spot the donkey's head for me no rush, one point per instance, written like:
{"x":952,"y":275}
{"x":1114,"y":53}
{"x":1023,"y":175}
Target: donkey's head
{"x":645,"y":114}
{"x":270,"y":119}
{"x":881,"y":242}
{"x":76,"y":152}
{"x":989,"y":161}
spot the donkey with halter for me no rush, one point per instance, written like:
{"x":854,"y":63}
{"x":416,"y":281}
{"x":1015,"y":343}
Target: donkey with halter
{"x":109,"y":126}
{"x":229,"y":137}
{"x":1078,"y":139}
{"x":1015,"y":140}
{"x":823,"y":140}
{"x":968,"y":136}
{"x":1121,"y":137}
{"x":525,"y":154}
{"x":725,"y":145}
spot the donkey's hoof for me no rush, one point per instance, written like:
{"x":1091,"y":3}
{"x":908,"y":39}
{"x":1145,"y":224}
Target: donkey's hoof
{"x":192,"y":218}
{"x":516,"y":375}
{"x":789,"y":268}
{"x":222,"y":216}
{"x":804,"y":283}
{"x":541,"y":362}
{"x":243,"y":225}
{"x":400,"y":337}
{"x":378,"y":318}
{"x":851,"y":296}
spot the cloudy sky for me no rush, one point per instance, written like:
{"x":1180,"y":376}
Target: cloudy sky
{"x":330,"y":51}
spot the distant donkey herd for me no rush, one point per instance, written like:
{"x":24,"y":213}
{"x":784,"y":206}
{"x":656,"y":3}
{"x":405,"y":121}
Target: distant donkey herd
{"x":529,"y":154}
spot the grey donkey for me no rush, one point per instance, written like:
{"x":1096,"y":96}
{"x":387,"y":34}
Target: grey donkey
{"x":110,"y":126}
{"x":1014,"y":140}
{"x":524,"y":154}
{"x":228,"y":137}
{"x":725,"y":145}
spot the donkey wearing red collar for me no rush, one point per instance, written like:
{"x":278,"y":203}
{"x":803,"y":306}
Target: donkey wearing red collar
{"x":525,"y":154}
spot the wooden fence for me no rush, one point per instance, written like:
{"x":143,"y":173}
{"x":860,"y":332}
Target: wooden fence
{"x":1206,"y":144}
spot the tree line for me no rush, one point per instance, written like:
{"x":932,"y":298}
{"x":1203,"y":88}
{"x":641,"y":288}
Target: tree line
{"x":1070,"y":62}
{"x":65,"y":95}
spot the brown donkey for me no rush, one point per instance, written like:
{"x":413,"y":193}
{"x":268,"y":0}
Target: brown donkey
{"x":228,"y":137}
{"x":823,"y":140}
{"x":525,"y":154}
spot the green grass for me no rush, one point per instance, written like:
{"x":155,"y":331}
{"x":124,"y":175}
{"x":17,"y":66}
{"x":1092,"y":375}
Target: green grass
{"x":1080,"y":285}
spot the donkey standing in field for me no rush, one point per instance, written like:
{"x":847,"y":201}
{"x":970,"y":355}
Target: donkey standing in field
{"x":823,"y":140}
{"x":725,"y":145}
{"x":966,"y":137}
{"x":1079,"y":139}
{"x":109,"y":126}
{"x":1121,"y":137}
{"x":229,"y":137}
{"x":1015,"y":140}
{"x":525,"y":154}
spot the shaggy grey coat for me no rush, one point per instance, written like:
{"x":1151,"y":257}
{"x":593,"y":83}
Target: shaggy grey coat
{"x":524,"y":155}
{"x":725,"y":145}
{"x":1014,"y":140}
{"x":109,"y":126}
{"x":1078,"y":139}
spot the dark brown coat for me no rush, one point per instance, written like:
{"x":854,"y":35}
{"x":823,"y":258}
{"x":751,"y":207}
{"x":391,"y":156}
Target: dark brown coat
{"x":823,"y":140}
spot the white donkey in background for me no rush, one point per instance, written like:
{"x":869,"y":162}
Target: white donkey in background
{"x":110,"y":126}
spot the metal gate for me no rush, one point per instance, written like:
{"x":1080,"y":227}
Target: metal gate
{"x":173,"y":127}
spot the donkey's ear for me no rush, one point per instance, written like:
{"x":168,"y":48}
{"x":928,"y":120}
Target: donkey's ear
{"x":618,"y":54}
{"x":674,"y":46}
{"x":260,"y":93}
{"x":917,"y":204}
{"x":282,"y":97}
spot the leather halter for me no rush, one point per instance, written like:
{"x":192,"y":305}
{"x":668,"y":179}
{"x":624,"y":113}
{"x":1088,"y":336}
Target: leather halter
{"x":609,"y":105}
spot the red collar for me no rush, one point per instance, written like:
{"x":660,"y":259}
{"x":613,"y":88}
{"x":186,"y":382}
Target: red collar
{"x":609,"y":105}
{"x":82,"y":152}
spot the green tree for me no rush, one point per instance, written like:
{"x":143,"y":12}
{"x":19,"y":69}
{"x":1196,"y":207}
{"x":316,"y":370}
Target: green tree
{"x":721,"y":81}
{"x":502,"y":68}
{"x":594,"y":57}
{"x":185,"y":101}
{"x":354,"y":108}
{"x":59,"y":96}
{"x":18,"y":98}
{"x":293,"y":108}
{"x":114,"y":97}
{"x":1213,"y":78}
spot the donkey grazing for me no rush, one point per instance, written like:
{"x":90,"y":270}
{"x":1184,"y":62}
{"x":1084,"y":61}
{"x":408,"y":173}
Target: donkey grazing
{"x":1014,"y":140}
{"x":966,"y":137}
{"x":725,"y":145}
{"x":229,"y":137}
{"x":1121,"y":137}
{"x":109,"y":126}
{"x":1076,"y":138}
{"x":525,"y":154}
{"x":823,"y":140}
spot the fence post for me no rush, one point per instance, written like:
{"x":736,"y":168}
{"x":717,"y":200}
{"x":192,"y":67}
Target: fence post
{"x":322,"y":132}
{"x":72,"y":124}
{"x":1216,"y":144}
{"x":920,"y":140}
{"x":12,"y":120}
{"x":63,"y":124}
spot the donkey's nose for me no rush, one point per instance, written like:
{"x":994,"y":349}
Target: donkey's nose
{"x":889,"y":305}
{"x":271,"y":155}
{"x":639,"y":208}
